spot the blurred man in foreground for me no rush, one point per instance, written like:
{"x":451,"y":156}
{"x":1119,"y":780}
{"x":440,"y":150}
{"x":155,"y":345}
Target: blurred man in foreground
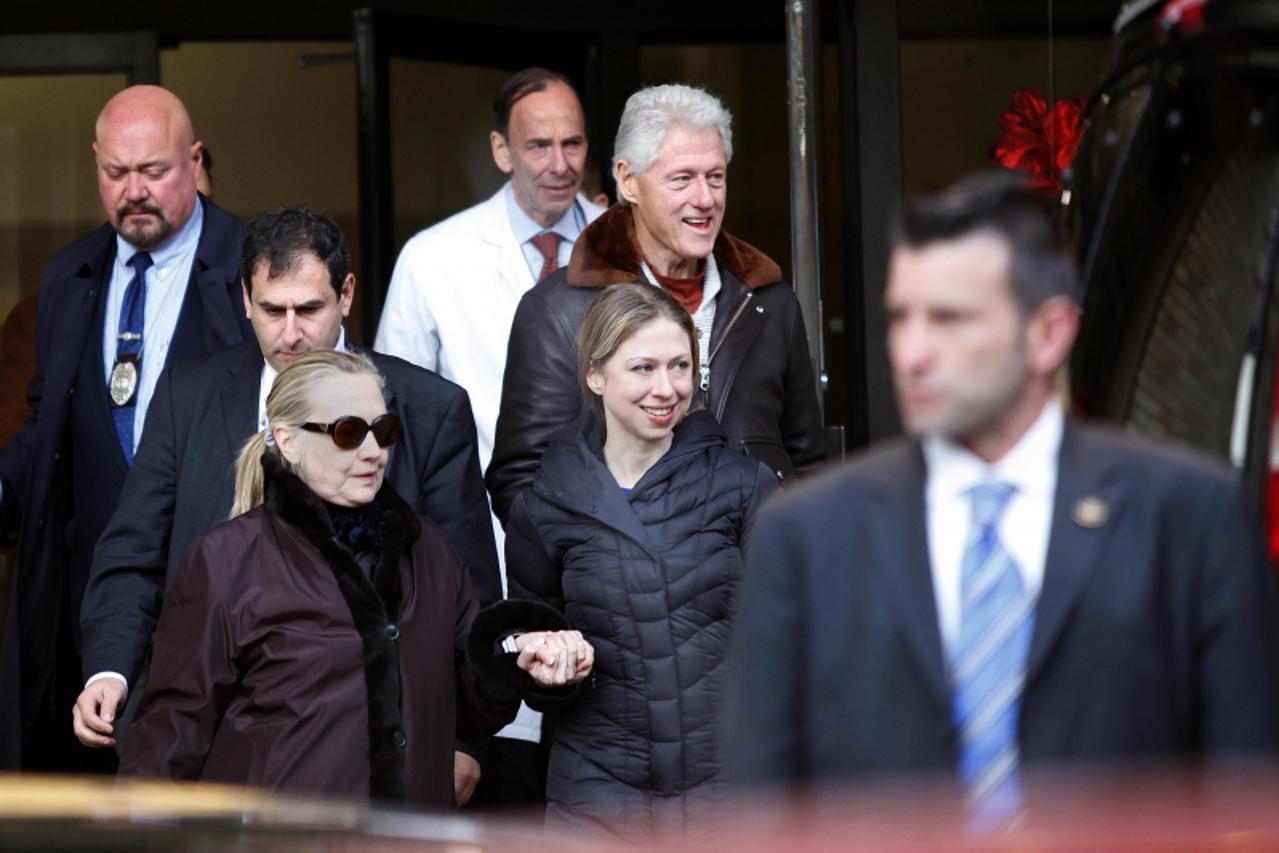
{"x":1007,"y":588}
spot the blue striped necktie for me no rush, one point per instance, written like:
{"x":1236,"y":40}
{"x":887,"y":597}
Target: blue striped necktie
{"x":989,"y":668}
{"x":129,"y":346}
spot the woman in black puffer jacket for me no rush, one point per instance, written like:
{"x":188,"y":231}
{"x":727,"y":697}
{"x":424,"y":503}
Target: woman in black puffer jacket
{"x":634,"y":527}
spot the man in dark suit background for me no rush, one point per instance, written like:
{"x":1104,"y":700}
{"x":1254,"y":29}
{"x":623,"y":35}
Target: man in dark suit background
{"x":156,"y":283}
{"x":298,"y":288}
{"x":1008,"y":588}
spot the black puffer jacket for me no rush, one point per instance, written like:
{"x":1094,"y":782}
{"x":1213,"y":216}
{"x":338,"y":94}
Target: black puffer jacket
{"x":761,"y":375}
{"x":650,"y":579}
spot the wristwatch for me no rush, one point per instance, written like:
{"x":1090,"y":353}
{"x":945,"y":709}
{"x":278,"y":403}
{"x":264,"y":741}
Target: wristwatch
{"x":509,"y":646}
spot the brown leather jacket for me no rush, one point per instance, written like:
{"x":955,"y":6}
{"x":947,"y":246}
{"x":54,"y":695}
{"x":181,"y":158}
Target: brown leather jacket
{"x":762,"y":389}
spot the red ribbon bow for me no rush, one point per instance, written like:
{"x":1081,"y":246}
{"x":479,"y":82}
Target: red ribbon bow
{"x":1038,"y":140}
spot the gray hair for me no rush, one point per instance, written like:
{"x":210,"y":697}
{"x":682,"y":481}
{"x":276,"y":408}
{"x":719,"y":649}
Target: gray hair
{"x":651,"y":113}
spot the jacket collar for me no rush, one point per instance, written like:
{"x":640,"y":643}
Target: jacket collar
{"x":495,"y":226}
{"x":1087,"y":474}
{"x":899,"y":556}
{"x":292,"y":500}
{"x":574,"y":474}
{"x":608,"y":253}
{"x":574,"y":477}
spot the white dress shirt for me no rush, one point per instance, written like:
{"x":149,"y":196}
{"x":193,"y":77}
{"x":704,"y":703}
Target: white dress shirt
{"x":1031,"y":468}
{"x":166,"y":289}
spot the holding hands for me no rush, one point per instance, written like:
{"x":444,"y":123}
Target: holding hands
{"x":554,"y":658}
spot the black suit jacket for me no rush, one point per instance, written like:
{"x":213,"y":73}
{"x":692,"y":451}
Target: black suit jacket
{"x":1154,"y":632}
{"x":58,"y":494}
{"x":182,"y":483}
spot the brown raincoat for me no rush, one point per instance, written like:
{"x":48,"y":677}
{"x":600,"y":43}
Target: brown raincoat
{"x":278,"y":663}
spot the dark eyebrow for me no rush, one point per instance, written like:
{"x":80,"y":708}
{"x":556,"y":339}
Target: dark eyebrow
{"x":310,"y":305}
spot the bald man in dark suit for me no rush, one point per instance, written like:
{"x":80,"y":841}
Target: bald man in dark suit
{"x":96,"y":367}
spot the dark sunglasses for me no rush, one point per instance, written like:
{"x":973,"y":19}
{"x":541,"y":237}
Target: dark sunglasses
{"x":348,"y":431}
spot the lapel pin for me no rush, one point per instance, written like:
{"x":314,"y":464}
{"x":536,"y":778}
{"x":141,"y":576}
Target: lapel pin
{"x":1090,"y":512}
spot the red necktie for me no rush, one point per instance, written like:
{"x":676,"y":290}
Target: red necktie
{"x":548,"y":243}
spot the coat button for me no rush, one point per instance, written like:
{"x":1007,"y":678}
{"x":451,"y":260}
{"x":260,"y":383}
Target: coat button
{"x":759,"y":309}
{"x":71,"y":391}
{"x":393,"y":631}
{"x":398,"y":738}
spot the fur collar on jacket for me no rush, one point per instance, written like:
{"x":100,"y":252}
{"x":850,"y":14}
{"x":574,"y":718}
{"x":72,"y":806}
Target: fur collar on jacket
{"x":375,"y":607}
{"x":608,"y":252}
{"x":288,"y":497}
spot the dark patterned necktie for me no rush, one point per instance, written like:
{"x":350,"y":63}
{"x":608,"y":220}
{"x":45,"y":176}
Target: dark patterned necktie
{"x":129,"y":351}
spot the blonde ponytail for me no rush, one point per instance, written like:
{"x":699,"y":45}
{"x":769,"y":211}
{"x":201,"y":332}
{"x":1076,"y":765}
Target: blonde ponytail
{"x":291,"y":401}
{"x":248,"y":474}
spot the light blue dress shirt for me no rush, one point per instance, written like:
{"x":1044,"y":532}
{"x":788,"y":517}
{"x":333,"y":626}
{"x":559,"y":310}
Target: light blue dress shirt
{"x":569,"y":226}
{"x":166,"y":289}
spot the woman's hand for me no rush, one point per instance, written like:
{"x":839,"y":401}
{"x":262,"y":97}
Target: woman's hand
{"x":555,"y":658}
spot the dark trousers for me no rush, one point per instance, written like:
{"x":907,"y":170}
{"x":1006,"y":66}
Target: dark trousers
{"x":513,"y":780}
{"x":51,"y":746}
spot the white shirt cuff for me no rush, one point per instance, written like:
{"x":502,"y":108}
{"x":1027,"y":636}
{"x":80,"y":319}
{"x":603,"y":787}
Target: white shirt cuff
{"x":108,"y":674}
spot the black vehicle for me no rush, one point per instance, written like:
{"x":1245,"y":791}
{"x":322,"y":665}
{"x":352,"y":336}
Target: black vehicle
{"x":1175,"y":201}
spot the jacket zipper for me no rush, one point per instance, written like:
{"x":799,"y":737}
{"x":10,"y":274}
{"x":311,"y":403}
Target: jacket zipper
{"x":706,"y":368}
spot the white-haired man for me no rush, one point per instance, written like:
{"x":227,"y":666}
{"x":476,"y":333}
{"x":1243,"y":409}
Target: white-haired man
{"x":670,"y":161}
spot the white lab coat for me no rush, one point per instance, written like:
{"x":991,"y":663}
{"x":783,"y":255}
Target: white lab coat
{"x":449,"y":308}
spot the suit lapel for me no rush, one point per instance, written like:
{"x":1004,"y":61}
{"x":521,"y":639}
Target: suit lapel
{"x":78,"y":330}
{"x":407,"y":479}
{"x":71,"y":326}
{"x":215,"y":286}
{"x":495,"y":229}
{"x":239,"y":396}
{"x":219,"y":319}
{"x":1074,"y":548}
{"x":901,"y":559}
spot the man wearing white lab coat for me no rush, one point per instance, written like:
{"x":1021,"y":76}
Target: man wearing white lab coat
{"x":453,"y":297}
